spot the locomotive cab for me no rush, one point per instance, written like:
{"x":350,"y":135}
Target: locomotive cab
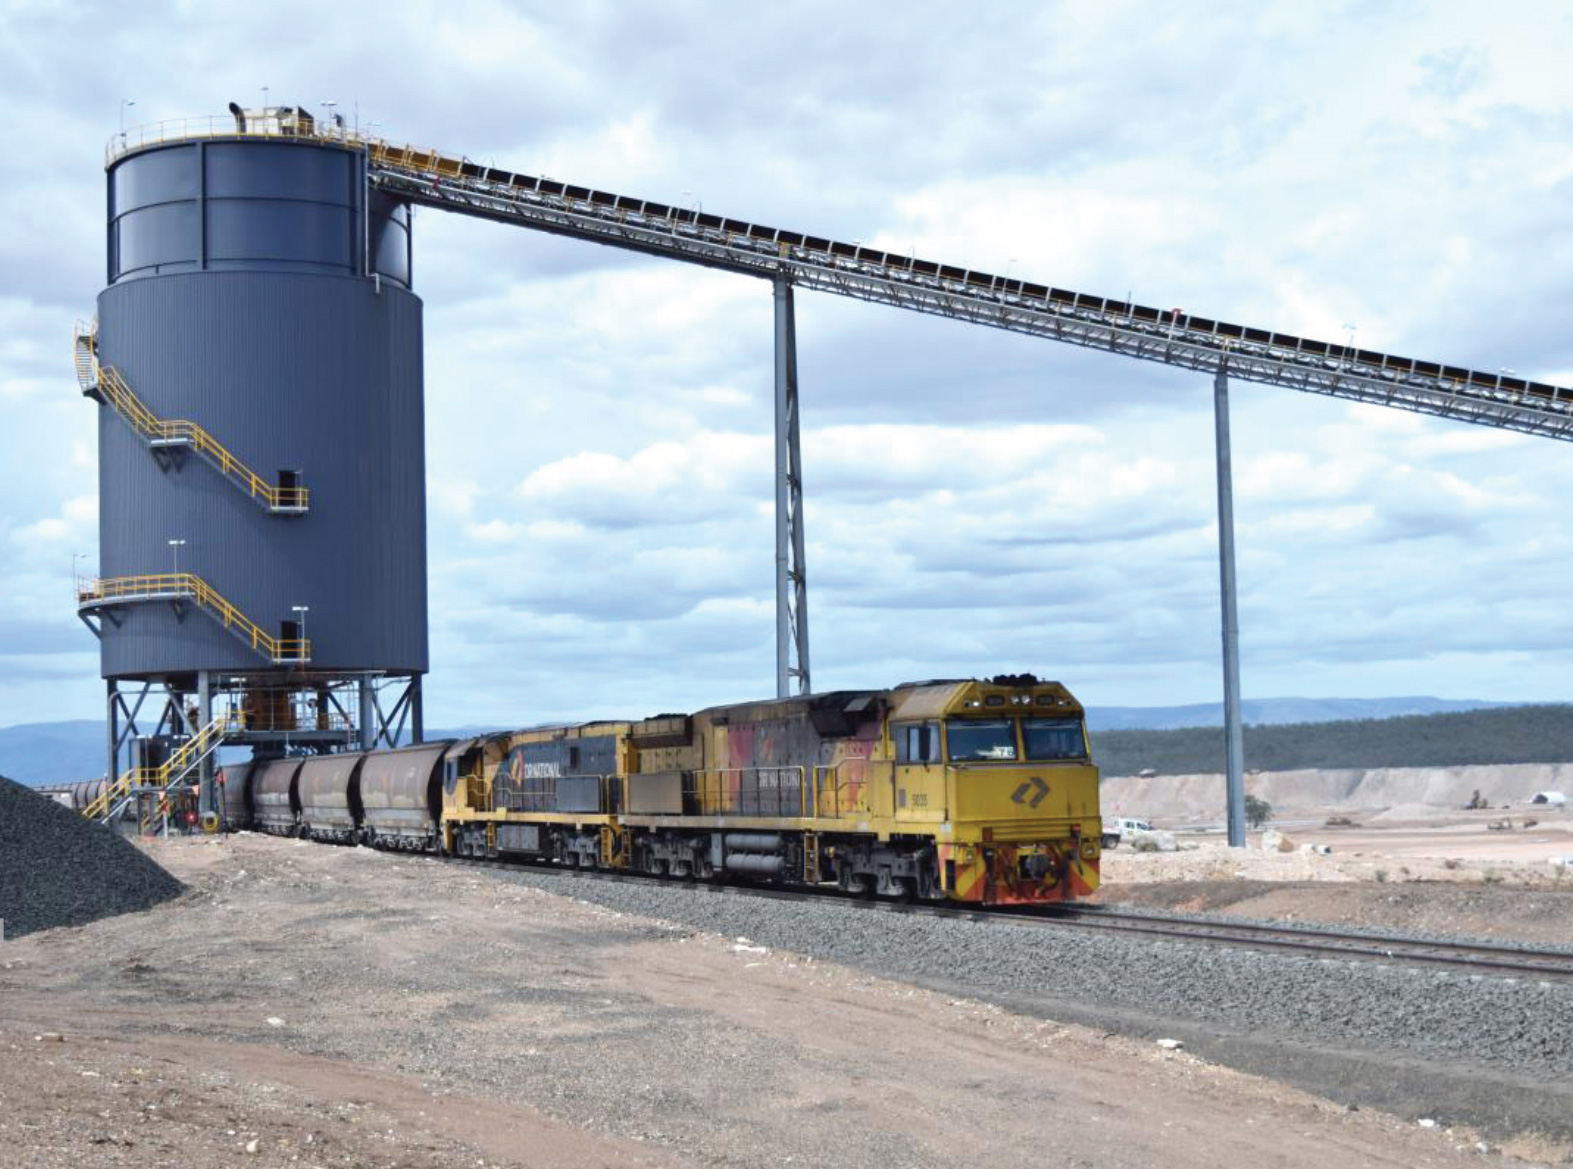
{"x":1001,"y":773}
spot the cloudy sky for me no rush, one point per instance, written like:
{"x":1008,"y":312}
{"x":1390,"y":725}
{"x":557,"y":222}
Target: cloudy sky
{"x":599,"y":455}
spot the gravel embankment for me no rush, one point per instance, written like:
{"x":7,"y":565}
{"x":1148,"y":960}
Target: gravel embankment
{"x":1518,"y":1025}
{"x":58,"y":868}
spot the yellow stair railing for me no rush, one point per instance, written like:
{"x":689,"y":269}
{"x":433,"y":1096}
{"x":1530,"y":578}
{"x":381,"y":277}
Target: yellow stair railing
{"x":188,"y":586}
{"x":180,"y":763}
{"x":98,"y":807}
{"x":107,"y":382}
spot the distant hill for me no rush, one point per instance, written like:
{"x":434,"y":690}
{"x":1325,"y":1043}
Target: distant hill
{"x":1273,"y":711}
{"x":1518,"y":734}
{"x":44,"y":753}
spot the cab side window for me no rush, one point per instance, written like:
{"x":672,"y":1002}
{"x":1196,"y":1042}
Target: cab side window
{"x":917,"y":743}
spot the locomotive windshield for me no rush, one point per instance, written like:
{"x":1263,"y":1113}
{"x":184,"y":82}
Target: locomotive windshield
{"x":978,"y":740}
{"x":1054,"y":738}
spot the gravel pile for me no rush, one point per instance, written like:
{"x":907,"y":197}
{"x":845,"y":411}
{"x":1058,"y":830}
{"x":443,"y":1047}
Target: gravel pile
{"x":58,"y":868}
{"x":1516,"y":1024}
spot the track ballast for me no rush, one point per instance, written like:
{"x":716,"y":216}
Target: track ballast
{"x":1477,"y":958}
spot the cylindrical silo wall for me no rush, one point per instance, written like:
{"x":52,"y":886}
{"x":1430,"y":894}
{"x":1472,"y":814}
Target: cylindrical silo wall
{"x":260,"y":290}
{"x":289,"y":370}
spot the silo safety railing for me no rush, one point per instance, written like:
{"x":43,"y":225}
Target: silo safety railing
{"x":106,"y":383}
{"x":177,"y":586}
{"x":186,"y":758}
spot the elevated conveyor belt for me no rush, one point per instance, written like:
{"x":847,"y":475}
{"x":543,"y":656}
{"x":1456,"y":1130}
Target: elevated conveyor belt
{"x":434,"y":179}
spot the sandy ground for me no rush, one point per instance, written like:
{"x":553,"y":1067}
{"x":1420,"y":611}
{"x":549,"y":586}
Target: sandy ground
{"x":1421,"y":869}
{"x":1364,"y":792}
{"x":1415,"y":843}
{"x":315,"y":1006}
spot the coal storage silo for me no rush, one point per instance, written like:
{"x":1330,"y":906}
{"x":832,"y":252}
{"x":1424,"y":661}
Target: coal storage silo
{"x":257,"y":364}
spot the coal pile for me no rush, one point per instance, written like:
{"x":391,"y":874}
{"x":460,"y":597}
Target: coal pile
{"x":59,"y":868}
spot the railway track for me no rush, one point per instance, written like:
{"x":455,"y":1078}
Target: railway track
{"x":1484,"y":958}
{"x":1478,"y":958}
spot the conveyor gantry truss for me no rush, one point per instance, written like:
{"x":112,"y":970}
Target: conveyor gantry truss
{"x":1168,"y":336}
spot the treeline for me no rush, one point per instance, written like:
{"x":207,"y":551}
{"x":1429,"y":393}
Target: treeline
{"x":1515,"y":734}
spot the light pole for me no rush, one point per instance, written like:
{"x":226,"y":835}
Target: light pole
{"x":174,"y":547}
{"x":125,"y":104}
{"x":328,"y":105}
{"x":300,"y":621}
{"x":76,"y":577}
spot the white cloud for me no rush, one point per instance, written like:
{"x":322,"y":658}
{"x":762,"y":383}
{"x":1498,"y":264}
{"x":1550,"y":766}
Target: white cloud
{"x":600,"y":467}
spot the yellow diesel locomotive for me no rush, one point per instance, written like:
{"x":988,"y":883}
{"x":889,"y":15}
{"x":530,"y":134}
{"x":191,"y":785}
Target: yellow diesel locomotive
{"x":970,"y":791}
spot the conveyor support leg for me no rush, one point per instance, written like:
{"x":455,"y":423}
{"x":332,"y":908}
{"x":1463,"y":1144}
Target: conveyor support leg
{"x":791,"y":579}
{"x":1233,"y":736}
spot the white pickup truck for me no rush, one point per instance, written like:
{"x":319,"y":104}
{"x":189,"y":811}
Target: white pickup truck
{"x":1115,"y":828}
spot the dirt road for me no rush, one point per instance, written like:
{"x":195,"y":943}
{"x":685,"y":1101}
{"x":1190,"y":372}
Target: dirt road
{"x":315,"y":1006}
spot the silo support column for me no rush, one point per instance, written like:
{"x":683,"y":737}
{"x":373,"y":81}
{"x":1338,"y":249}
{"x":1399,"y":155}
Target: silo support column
{"x":417,"y":715}
{"x":367,"y":713}
{"x":1233,"y":736}
{"x":113,"y":771}
{"x":205,"y":802}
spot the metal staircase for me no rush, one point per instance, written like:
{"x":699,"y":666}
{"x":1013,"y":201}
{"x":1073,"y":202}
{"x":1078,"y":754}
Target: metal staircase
{"x":97,"y":595}
{"x":137,"y":782}
{"x":105,"y":384}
